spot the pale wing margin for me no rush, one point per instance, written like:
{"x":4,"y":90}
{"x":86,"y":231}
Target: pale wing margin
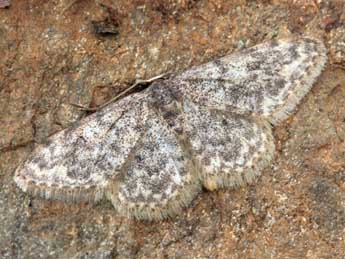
{"x":159,"y":178}
{"x":77,"y":163}
{"x":269,"y":79}
{"x":230,"y":149}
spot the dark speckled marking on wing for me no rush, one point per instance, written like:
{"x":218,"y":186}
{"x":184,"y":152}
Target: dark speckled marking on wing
{"x":150,"y":152}
{"x":230,"y":149}
{"x":268,"y":79}
{"x":159,"y":179}
{"x":85,"y":158}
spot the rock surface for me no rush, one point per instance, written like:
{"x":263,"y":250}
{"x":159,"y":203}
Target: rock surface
{"x":54,"y":53}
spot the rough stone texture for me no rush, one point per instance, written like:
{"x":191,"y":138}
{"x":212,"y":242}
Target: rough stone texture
{"x":51,"y":56}
{"x":337,"y":45}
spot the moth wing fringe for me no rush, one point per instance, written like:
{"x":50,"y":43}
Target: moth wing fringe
{"x":304,"y":86}
{"x":157,"y":212}
{"x":92,"y":194}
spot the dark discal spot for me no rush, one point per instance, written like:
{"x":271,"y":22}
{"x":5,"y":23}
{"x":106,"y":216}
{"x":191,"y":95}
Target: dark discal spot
{"x":280,"y":83}
{"x":256,"y":65}
{"x":293,"y":52}
{"x":171,"y":117}
{"x":42,"y":163}
{"x":170,"y":114}
{"x":72,"y":174}
{"x":80,"y":141}
{"x":275,"y":86}
{"x":139,"y":158}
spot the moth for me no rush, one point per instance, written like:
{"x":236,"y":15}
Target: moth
{"x":151,"y":152}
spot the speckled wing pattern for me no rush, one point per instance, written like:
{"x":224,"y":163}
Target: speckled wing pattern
{"x":151,"y":152}
{"x":268,"y":79}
